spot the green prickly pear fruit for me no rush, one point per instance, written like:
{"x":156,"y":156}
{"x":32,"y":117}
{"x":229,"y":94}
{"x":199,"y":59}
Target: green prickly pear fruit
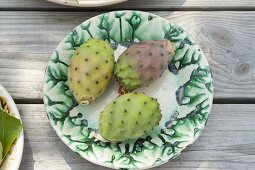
{"x":90,"y":70}
{"x":142,"y":63}
{"x":129,"y":116}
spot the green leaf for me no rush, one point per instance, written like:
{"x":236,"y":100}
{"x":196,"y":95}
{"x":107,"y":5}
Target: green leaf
{"x":10,"y":129}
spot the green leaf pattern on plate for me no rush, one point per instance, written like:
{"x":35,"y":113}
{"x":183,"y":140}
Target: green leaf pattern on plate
{"x":194,"y":95}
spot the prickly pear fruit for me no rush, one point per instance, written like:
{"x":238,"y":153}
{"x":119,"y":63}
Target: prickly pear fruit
{"x":129,"y":116}
{"x":90,"y":70}
{"x":142,"y":63}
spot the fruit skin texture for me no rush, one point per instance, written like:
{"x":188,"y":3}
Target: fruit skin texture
{"x":90,"y":70}
{"x":142,"y":63}
{"x":129,"y":116}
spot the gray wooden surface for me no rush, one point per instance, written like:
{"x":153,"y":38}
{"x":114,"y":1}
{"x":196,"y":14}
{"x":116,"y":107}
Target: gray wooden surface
{"x":228,"y":142}
{"x":227,"y":38}
{"x":137,"y":4}
{"x":225,"y":29}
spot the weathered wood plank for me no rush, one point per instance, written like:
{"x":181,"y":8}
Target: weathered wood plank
{"x":27,"y":40}
{"x":226,"y":143}
{"x":135,"y":4}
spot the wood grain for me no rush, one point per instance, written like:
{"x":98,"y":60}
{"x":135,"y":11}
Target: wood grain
{"x":226,"y":143}
{"x":135,"y":4}
{"x":27,"y":40}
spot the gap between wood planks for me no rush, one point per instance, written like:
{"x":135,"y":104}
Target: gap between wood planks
{"x":195,"y":8}
{"x":215,"y":101}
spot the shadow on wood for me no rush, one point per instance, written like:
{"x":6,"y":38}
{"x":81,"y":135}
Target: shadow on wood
{"x":27,"y":159}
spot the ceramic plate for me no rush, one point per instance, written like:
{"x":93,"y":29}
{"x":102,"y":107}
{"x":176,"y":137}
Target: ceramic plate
{"x":13,"y":160}
{"x":87,"y":3}
{"x":185,"y":93}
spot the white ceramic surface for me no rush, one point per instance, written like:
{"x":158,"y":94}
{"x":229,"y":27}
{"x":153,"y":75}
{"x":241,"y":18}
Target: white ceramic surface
{"x":12,"y":161}
{"x":87,"y":3}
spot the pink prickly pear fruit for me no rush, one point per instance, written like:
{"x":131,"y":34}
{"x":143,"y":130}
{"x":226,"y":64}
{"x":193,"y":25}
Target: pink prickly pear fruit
{"x":142,"y":63}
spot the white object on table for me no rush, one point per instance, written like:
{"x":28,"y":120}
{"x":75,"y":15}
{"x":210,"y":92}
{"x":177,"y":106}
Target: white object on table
{"x":13,"y":160}
{"x":87,"y":3}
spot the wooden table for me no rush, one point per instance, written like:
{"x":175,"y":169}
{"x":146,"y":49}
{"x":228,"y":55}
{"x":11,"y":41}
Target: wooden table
{"x":225,"y":30}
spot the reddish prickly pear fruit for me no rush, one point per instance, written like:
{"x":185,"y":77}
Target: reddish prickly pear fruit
{"x":142,"y":63}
